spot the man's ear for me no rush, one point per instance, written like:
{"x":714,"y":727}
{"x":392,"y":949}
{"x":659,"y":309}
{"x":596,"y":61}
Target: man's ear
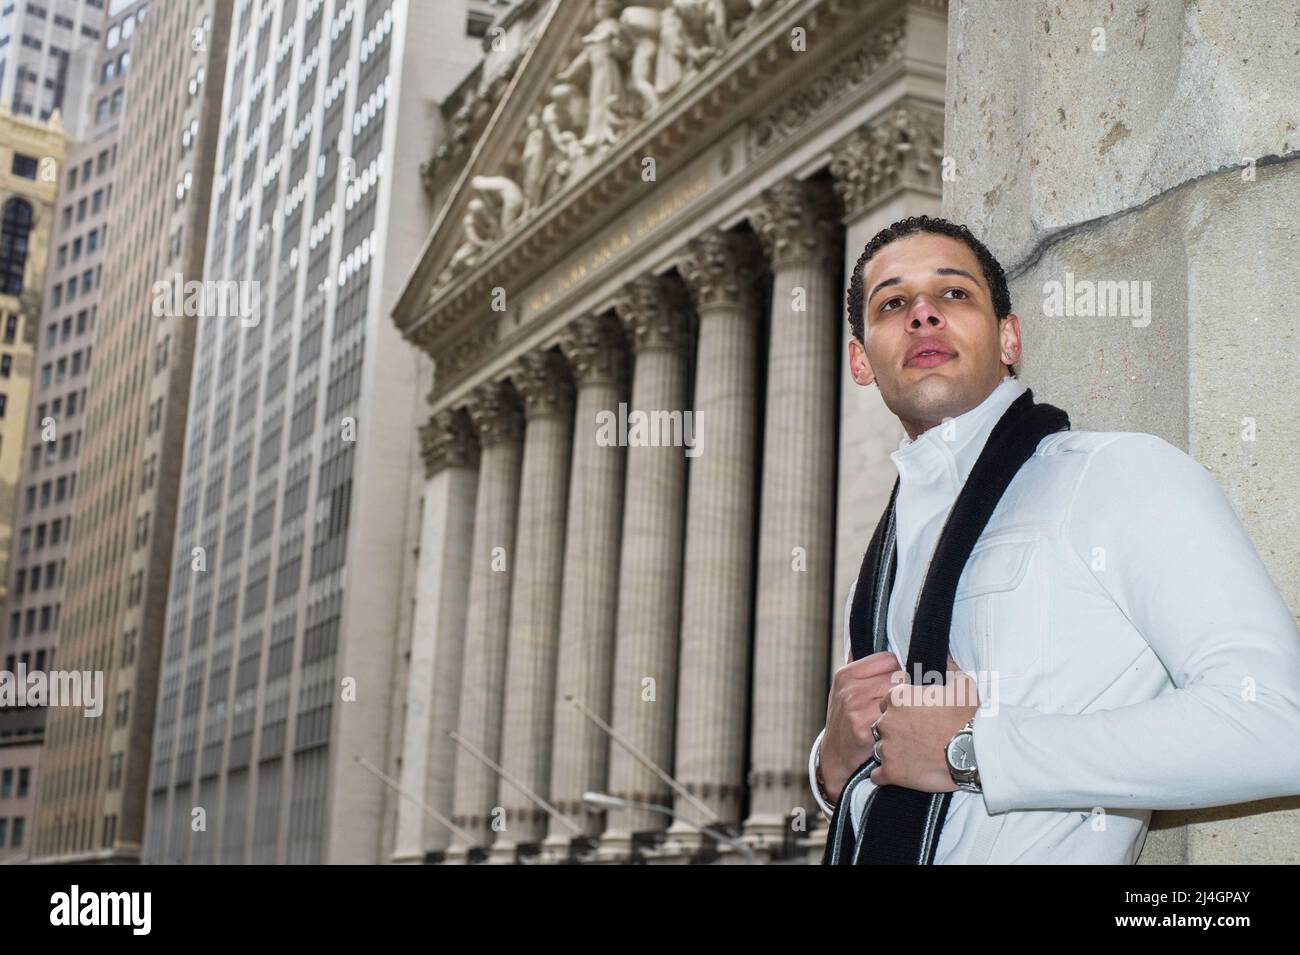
{"x":859,"y":367}
{"x":1009,"y":338}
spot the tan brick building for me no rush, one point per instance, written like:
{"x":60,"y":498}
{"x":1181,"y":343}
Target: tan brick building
{"x":31,"y":161}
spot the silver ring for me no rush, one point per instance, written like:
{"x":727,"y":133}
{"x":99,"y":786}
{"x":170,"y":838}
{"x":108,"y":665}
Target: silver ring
{"x":875,"y":752}
{"x":875,"y":733}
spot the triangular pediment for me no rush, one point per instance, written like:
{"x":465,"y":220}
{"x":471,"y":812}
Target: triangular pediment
{"x":598,"y":71}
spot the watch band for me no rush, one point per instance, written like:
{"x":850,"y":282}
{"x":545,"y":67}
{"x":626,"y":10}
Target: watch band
{"x":821,"y":783}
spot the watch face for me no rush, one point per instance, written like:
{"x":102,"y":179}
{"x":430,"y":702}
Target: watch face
{"x":961,"y":752}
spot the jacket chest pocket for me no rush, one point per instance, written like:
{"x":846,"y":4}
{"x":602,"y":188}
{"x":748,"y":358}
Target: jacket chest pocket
{"x":1003,"y":585}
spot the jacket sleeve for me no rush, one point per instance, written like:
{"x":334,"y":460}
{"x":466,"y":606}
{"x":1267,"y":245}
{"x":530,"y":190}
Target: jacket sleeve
{"x":1180,"y":566}
{"x":827,"y":811}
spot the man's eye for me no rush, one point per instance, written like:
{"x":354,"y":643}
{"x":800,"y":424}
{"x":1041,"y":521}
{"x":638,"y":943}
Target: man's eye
{"x":960,"y":291}
{"x":885,"y":307}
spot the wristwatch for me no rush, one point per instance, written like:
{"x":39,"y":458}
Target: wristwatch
{"x":961,"y":759}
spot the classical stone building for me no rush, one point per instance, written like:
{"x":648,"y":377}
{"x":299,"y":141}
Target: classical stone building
{"x":657,"y":220}
{"x":652,"y":208}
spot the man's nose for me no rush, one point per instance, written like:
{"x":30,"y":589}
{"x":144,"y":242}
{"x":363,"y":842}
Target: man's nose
{"x":924,"y":312}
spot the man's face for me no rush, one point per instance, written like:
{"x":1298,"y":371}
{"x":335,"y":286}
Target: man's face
{"x":923,"y":292}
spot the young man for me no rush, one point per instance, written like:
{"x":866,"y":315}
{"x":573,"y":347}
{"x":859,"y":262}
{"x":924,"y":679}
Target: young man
{"x":1131,"y":650}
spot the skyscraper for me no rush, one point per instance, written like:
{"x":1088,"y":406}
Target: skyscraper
{"x":292,"y":540}
{"x":95,"y":771}
{"x":37,"y":42}
{"x":64,"y":347}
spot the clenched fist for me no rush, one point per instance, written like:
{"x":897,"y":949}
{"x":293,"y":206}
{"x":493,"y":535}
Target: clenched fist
{"x":854,"y":704}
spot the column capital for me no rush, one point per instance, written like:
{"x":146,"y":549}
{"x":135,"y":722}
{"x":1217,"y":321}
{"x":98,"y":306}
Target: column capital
{"x":901,"y":147}
{"x":721,"y":268}
{"x":447,"y":440}
{"x":797,"y":222}
{"x":495,"y":413}
{"x":655,"y":312}
{"x":596,"y":349}
{"x":543,"y":381}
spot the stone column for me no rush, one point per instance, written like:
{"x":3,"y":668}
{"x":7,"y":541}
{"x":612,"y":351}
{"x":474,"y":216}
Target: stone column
{"x":494,"y":410}
{"x":655,"y":312}
{"x":597,"y":353}
{"x":450,"y":455}
{"x":799,"y":226}
{"x":542,"y":379}
{"x":722,"y":272}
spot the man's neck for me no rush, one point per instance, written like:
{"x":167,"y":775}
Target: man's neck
{"x":915,"y":430}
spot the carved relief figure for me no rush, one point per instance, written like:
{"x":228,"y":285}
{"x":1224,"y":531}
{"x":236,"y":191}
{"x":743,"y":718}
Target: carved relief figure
{"x":642,"y":25}
{"x":600,"y":65}
{"x":477,"y":229}
{"x":628,"y":60}
{"x":503,"y":196}
{"x":562,"y":117}
{"x":533,"y":164}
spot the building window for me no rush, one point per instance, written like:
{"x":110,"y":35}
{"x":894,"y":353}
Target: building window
{"x":24,"y":166}
{"x":15,"y":227}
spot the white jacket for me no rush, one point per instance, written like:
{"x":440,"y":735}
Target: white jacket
{"x":1134,"y":651}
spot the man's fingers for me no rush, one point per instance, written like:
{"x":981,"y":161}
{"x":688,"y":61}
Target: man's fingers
{"x":871,"y":665}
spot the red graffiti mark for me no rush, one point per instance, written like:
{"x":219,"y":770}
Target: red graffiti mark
{"x":1134,"y":370}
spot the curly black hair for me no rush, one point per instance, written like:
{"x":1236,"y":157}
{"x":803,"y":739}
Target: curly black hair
{"x":993,"y":274}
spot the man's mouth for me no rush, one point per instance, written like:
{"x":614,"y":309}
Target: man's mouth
{"x":929,"y":358}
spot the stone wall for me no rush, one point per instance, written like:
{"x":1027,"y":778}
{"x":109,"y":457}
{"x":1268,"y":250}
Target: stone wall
{"x":1154,"y":142}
